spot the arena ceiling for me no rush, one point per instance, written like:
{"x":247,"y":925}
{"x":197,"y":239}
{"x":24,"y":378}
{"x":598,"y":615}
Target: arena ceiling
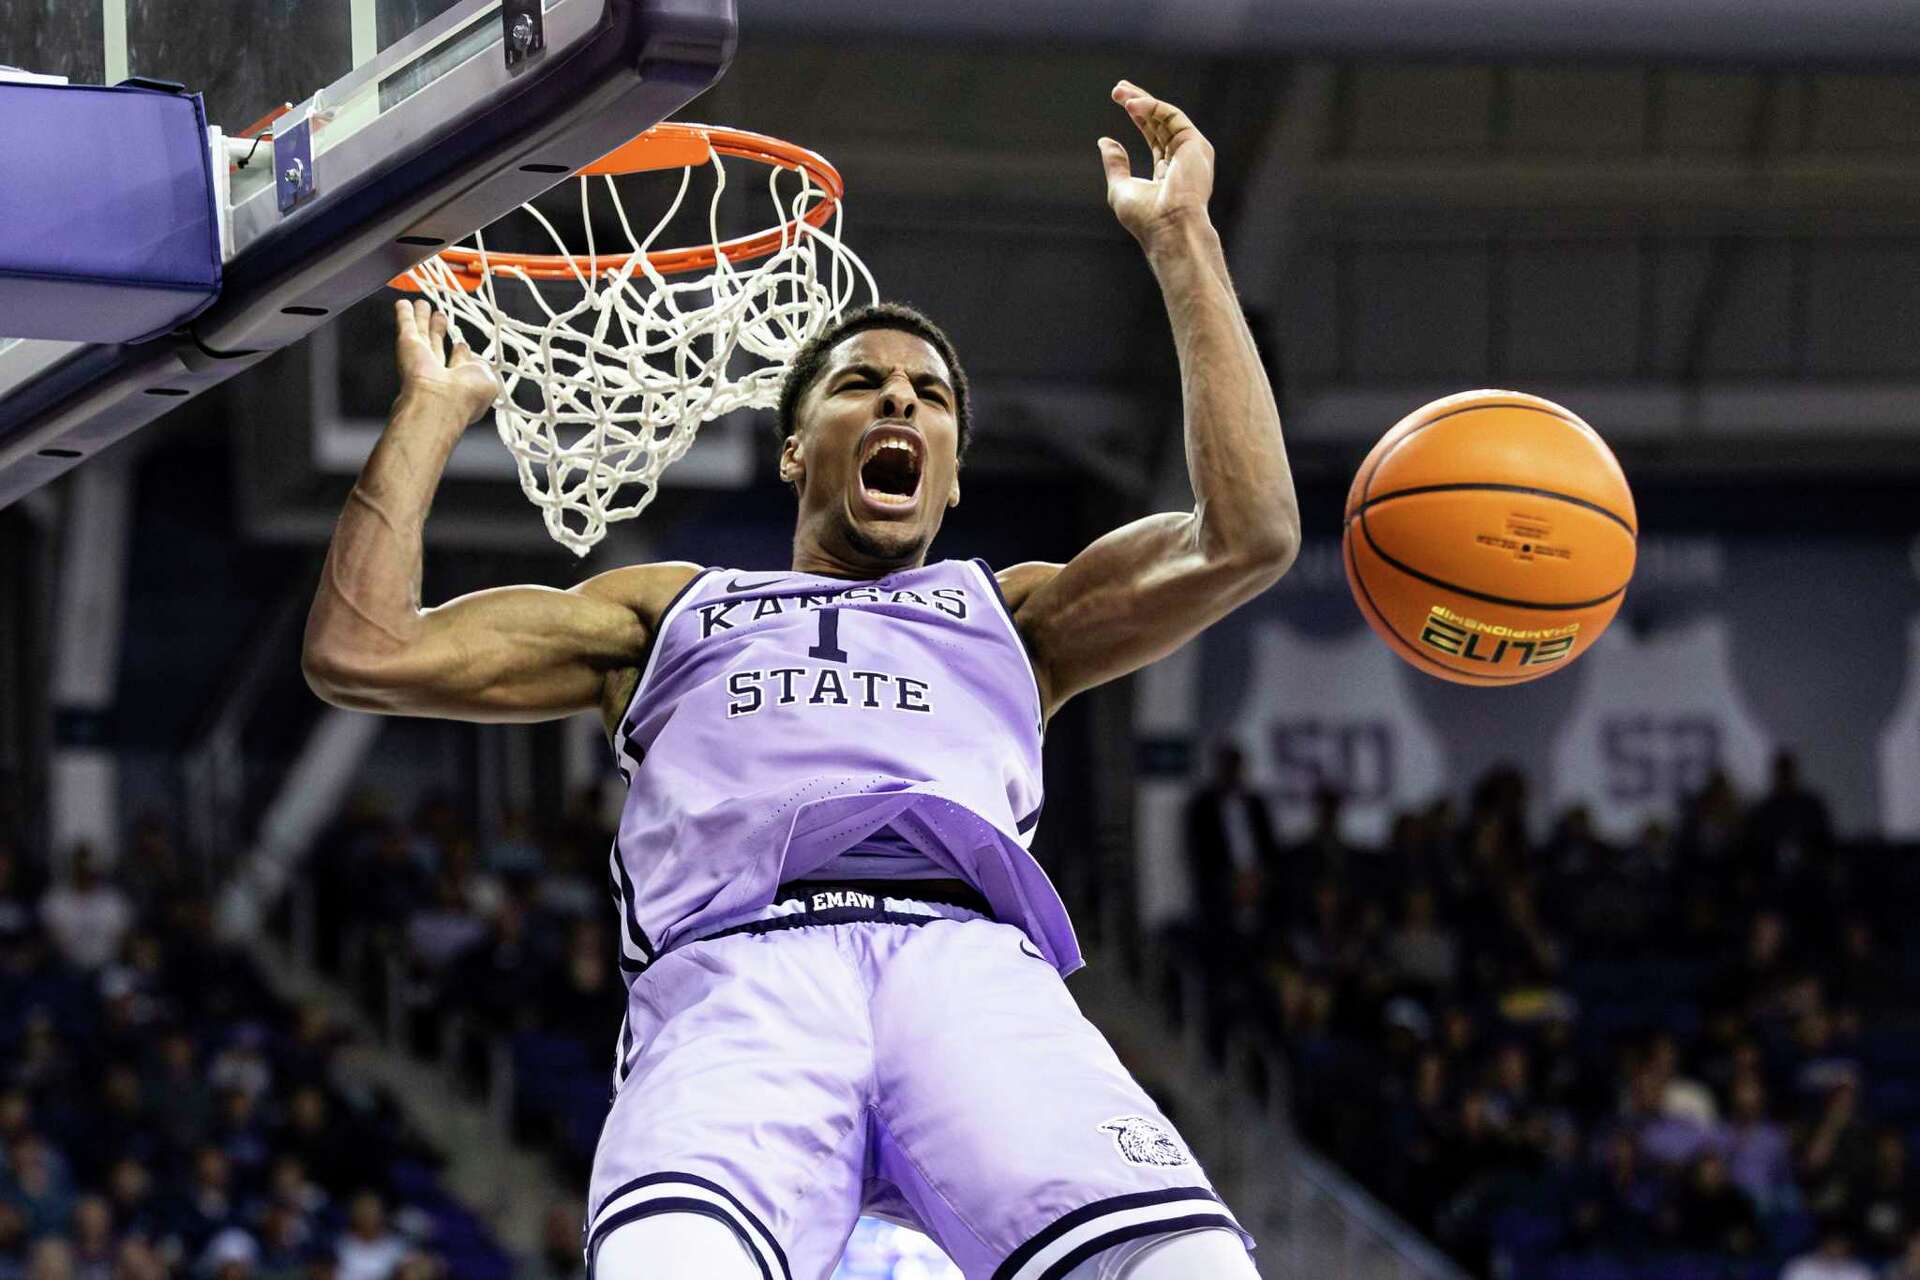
{"x":1789,"y":33}
{"x":1718,"y":264}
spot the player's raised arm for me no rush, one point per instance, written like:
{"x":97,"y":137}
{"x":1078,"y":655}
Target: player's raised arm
{"x":513,"y":653}
{"x":1146,"y":588}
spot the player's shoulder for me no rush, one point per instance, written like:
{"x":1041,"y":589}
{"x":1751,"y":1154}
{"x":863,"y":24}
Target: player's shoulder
{"x":1018,"y":582}
{"x":647,"y":589}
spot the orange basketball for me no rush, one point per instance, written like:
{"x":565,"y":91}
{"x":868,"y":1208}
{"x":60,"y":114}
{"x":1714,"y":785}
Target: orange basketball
{"x":1489,"y":537}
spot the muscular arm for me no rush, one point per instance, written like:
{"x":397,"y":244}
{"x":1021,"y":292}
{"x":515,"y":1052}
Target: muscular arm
{"x":1145,"y":589}
{"x":512,"y":653}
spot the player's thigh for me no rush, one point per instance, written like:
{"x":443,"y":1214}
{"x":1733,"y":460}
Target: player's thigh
{"x":676,"y":1246}
{"x":1187,"y":1255}
{"x":743,"y":1098}
{"x":1007,"y":1119}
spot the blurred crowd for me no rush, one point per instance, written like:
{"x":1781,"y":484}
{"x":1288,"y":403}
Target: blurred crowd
{"x":164,"y":1114}
{"x":1682,"y":1056}
{"x":475,"y":944}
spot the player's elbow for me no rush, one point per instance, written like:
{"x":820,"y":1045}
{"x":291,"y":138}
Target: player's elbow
{"x":328,"y":672}
{"x":1276,"y":552}
{"x":1261,"y":552}
{"x":343,"y":678}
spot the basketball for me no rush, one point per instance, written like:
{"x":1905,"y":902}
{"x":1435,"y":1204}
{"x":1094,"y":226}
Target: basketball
{"x":1489,"y":537}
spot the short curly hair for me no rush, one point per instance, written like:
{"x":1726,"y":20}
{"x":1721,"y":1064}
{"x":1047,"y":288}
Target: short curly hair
{"x":811,"y":361}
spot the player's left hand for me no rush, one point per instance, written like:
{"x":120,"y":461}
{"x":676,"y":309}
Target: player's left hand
{"x":1182,"y":178}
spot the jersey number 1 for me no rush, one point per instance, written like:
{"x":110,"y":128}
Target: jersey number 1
{"x":829,"y":647}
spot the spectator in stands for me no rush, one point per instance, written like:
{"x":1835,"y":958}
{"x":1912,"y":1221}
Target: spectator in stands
{"x":1421,"y":953}
{"x":1574,"y":850}
{"x":15,"y":1239}
{"x":513,"y":851}
{"x":92,"y":1239}
{"x":36,"y":1181}
{"x":284,"y":1239}
{"x":442,"y":931}
{"x":231,"y":1254}
{"x":1832,"y":1260}
{"x":1234,"y":884}
{"x":1510,"y":1086}
{"x":86,"y":918}
{"x":289,"y":1189}
{"x":1613,"y":1204}
{"x":206,"y":1206}
{"x":1714,"y":822}
{"x":1230,"y":850}
{"x":390,"y":879}
{"x":1326,"y":942}
{"x":1858,"y":972}
{"x":115,"y":1127}
{"x":150,"y":869}
{"x":560,"y":1257}
{"x":1790,"y":823}
{"x":1667,"y":1140}
{"x":177,"y":1093}
{"x":1835,"y":1150}
{"x":130,"y":1193}
{"x":1759,"y":984}
{"x":51,"y":1259}
{"x":310,"y":1135}
{"x":507,"y":977}
{"x":1907,"y":1265}
{"x":1758,"y":1155}
{"x":368,"y":1250}
{"x":1711,"y":1214}
{"x":1885,"y":1208}
{"x":1819,"y":1057}
{"x":1325,"y":852}
{"x":588,"y":1001}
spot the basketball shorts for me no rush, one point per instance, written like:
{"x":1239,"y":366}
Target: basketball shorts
{"x":847,"y":1053}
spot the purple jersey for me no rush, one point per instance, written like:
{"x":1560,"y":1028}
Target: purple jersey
{"x":786,"y":718}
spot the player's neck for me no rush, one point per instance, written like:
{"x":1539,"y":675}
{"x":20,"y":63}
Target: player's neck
{"x":818,"y":556}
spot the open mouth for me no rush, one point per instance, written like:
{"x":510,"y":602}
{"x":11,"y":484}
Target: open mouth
{"x":891,"y":461}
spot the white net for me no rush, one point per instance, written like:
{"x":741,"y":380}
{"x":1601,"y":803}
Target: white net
{"x":603,"y":393}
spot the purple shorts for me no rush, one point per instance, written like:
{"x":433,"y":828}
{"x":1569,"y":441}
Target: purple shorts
{"x":910,"y":1060}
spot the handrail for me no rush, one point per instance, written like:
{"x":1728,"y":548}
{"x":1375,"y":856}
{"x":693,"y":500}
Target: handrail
{"x":212,"y":768}
{"x":1369,"y":1213}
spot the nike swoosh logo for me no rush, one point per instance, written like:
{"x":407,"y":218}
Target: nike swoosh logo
{"x":737,"y":585}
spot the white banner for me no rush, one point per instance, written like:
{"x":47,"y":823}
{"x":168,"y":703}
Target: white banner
{"x":1655,"y":718}
{"x":1336,"y":713}
{"x":1900,"y":751}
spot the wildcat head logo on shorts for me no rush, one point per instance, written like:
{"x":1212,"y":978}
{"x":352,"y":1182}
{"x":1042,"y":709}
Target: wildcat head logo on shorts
{"x":1143,"y":1141}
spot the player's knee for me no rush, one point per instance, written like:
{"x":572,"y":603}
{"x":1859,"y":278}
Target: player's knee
{"x":1213,"y":1252}
{"x":674,"y":1246}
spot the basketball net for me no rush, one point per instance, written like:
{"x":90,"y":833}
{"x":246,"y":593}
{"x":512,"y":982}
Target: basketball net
{"x":604,"y":390}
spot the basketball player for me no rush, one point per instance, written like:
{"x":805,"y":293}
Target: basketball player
{"x":844,"y":968}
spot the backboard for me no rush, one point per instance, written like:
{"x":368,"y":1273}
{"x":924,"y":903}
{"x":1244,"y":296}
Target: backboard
{"x":419,"y":120}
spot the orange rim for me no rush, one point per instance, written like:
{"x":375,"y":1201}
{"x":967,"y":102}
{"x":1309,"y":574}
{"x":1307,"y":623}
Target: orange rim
{"x":665,"y":146}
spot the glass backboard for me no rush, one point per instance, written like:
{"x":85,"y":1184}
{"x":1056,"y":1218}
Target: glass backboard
{"x":424,"y":119}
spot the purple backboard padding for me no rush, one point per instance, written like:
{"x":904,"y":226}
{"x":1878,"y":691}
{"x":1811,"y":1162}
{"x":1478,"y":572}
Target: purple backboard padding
{"x":108,"y":230}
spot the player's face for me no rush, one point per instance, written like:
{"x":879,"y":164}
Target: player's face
{"x":876,"y":453}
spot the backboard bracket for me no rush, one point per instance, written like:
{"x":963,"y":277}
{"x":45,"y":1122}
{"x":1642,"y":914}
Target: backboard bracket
{"x":293,"y":177}
{"x":523,"y":28}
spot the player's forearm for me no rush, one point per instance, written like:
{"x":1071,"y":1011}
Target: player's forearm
{"x":1244,"y":503}
{"x":367,"y":608}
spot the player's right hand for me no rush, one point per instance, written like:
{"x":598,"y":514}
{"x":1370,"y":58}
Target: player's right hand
{"x":465,"y":382}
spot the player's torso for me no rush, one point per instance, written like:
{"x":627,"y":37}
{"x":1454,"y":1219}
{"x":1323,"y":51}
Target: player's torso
{"x":785,"y":721}
{"x":766,"y":676}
